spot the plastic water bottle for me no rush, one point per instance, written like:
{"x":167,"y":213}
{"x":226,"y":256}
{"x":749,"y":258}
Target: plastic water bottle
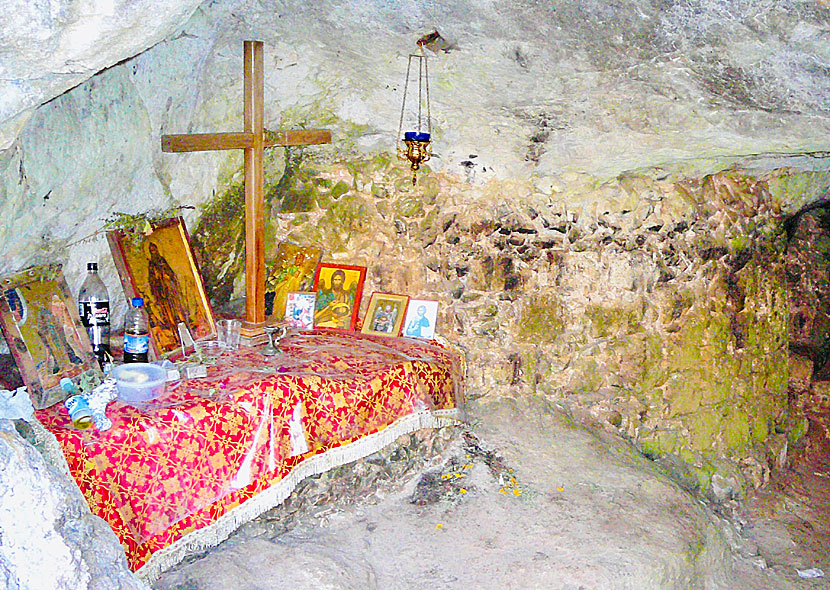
{"x":76,"y":405}
{"x":136,"y":333}
{"x":94,"y":309}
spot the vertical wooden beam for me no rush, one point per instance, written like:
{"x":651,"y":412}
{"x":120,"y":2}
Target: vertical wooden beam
{"x":253,"y":142}
{"x":254,"y":185}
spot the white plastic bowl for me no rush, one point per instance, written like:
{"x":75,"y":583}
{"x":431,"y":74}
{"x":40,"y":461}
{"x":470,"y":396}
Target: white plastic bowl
{"x":139,"y":382}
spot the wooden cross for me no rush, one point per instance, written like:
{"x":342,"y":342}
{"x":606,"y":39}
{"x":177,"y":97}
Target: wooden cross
{"x":253,"y":140}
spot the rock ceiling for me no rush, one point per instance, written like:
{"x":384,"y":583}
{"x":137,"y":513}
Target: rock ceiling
{"x":529,"y":87}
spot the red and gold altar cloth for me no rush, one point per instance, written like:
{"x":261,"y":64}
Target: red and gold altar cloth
{"x":177,"y":465}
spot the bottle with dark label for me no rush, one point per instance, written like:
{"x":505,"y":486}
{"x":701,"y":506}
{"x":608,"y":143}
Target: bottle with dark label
{"x":94,"y":309}
{"x":136,"y":333}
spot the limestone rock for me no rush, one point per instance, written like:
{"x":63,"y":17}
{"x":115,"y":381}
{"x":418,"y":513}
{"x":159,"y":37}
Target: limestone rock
{"x":47,"y":48}
{"x":48,"y":537}
{"x":293,"y":562}
{"x":525,"y":499}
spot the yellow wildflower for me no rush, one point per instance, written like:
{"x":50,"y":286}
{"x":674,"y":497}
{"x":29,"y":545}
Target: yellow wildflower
{"x":517,"y":492}
{"x":439,"y":525}
{"x":463,"y":491}
{"x":560,"y":489}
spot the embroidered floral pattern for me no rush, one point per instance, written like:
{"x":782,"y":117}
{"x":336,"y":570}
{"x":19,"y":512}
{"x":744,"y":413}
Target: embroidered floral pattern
{"x":208,"y":445}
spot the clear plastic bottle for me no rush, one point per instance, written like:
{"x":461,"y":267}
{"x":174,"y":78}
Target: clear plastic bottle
{"x":94,"y":309}
{"x":136,"y":333}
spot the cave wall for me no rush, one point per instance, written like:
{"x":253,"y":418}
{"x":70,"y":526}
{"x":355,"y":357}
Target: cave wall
{"x":593,"y":221}
{"x":655,"y":308}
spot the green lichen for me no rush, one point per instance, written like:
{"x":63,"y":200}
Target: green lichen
{"x":797,"y":427}
{"x":218,"y":243}
{"x":542,"y":318}
{"x":614,"y":320}
{"x":725,"y":366}
{"x":530,"y":368}
{"x":704,"y":426}
{"x":740,"y":243}
{"x":703,"y":474}
{"x":339,"y":189}
{"x":344,"y":218}
{"x":660,"y":442}
{"x":737,"y":432}
{"x":797,"y":189}
{"x":589,"y":374}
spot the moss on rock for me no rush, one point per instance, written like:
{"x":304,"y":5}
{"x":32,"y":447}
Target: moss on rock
{"x":542,"y":318}
{"x":614,"y":320}
{"x":218,"y":243}
{"x":725,"y":365}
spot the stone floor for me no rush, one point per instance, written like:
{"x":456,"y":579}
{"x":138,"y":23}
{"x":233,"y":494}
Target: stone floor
{"x":524,"y":498}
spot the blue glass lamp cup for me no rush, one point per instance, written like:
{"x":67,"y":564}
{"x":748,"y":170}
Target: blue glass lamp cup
{"x":416,"y":136}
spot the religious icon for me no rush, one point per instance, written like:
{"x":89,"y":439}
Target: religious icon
{"x":338,"y":288}
{"x":160,"y":268}
{"x":385,"y":314}
{"x":299,"y":310}
{"x":420,"y":319}
{"x":40,"y":322}
{"x":291,"y":270}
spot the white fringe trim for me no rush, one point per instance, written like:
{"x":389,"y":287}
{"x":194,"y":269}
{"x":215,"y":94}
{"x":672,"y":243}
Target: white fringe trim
{"x":215,"y":533}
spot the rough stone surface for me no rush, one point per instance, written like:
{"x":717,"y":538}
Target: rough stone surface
{"x":591,"y":86}
{"x":48,"y":537}
{"x":527,"y":499}
{"x":530,"y":91}
{"x":656,"y":309}
{"x":602,"y":220}
{"x":47,"y":48}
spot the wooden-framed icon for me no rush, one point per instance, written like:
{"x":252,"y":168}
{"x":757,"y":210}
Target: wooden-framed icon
{"x":39,"y":319}
{"x":291,"y":270}
{"x":385,"y":314}
{"x":160,"y":268}
{"x":339,"y":288}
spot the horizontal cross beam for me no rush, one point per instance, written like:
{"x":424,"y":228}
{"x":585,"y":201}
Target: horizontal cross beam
{"x":202,"y":142}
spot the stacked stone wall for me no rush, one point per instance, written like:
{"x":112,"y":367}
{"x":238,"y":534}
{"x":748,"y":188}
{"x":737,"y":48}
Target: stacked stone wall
{"x":654,"y":307}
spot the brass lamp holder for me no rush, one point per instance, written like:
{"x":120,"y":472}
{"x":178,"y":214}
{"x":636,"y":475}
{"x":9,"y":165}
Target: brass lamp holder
{"x":415,"y":146}
{"x":418,"y":150}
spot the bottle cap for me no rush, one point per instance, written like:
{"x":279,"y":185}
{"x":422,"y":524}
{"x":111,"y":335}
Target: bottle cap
{"x":68,"y":386}
{"x":92,"y":266}
{"x":138,"y":302}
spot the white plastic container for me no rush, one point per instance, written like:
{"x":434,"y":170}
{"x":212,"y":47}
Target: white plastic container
{"x":139,"y":382}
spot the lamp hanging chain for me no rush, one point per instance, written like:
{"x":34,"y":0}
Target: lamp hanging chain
{"x":420,"y":88}
{"x":426,"y":79}
{"x":403,"y":104}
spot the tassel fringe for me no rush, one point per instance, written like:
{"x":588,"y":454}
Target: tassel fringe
{"x":220,"y":530}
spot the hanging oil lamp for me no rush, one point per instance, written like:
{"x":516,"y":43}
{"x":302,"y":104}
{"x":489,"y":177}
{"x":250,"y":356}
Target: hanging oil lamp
{"x":414,"y":142}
